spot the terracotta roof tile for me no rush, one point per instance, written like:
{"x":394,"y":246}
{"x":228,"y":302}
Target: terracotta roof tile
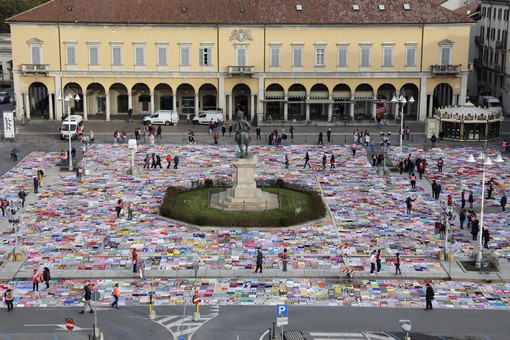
{"x":473,"y":6}
{"x":229,"y":12}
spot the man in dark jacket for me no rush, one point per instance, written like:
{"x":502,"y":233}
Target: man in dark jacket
{"x":503,"y":202}
{"x":485,"y":237}
{"x":176,"y":161}
{"x":429,"y":296}
{"x":462,"y":218}
{"x":260,"y":259}
{"x":87,"y":296}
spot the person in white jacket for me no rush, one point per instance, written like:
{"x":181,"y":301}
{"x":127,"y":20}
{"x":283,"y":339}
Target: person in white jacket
{"x":373,"y":258}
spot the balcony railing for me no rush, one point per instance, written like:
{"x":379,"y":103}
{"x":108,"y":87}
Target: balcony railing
{"x":35,"y":68}
{"x":479,"y":40}
{"x":501,"y":44}
{"x":445,"y":69}
{"x":241,"y":70}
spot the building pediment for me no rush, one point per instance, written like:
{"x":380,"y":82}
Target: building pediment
{"x":446,"y":42}
{"x":35,"y":41}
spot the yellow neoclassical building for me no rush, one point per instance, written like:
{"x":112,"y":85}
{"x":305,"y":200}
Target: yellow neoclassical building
{"x":280,"y":59}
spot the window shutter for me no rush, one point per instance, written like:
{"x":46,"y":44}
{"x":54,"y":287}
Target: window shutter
{"x":71,"y":60}
{"x":94,"y":60}
{"x":36,"y":55}
{"x":117,"y":60}
{"x":201,"y":56}
{"x":210,"y":59}
{"x":445,"y":56}
{"x":342,"y":57}
{"x":162,"y":56}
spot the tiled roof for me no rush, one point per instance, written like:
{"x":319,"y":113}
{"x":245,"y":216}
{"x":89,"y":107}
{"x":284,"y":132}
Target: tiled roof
{"x":473,"y":6}
{"x":438,"y":2}
{"x":240,"y":12}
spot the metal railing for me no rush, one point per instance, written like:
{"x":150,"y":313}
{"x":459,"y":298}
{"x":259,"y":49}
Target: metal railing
{"x":35,"y":68}
{"x":241,"y":69}
{"x":445,"y":69}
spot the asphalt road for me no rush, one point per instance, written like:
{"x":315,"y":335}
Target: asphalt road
{"x":251,"y":322}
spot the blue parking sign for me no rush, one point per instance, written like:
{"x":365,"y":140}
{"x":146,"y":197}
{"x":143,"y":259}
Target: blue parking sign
{"x":282,"y":310}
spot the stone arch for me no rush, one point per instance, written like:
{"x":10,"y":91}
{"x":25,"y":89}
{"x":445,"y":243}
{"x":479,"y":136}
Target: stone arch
{"x":36,"y":102}
{"x":96,"y":99}
{"x":363,"y":101}
{"x":319,"y":102}
{"x":119,"y":98}
{"x":208,"y":97}
{"x":443,"y":95}
{"x":186,"y":103}
{"x":411,"y":110}
{"x":141,"y":99}
{"x":296,"y":95}
{"x":384,"y":107}
{"x":274,"y":101}
{"x":163,"y":97}
{"x":341,"y":96}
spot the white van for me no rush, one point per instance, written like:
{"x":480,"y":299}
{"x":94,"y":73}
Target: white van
{"x":206,"y":116}
{"x":166,"y":117}
{"x":489,"y":102}
{"x":72,"y":126}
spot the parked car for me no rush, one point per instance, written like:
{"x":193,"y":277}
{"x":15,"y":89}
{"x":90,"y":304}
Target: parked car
{"x":166,"y":117}
{"x":207,"y":116}
{"x":4,"y":97}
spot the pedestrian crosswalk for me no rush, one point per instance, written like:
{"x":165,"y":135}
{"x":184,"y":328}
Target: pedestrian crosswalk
{"x":351,"y":336}
{"x":185,"y":327}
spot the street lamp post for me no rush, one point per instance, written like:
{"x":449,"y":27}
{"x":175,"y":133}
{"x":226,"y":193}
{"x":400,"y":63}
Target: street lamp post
{"x":385,"y":141}
{"x":402,"y":100}
{"x":484,"y":156}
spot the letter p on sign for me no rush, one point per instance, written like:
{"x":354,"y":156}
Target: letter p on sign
{"x":282,"y":310}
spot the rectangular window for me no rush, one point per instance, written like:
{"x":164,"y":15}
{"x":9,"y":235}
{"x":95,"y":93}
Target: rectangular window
{"x":445,"y":55}
{"x":117,"y":55}
{"x":94,"y":55}
{"x":71,"y":55}
{"x":275,"y":57}
{"x":342,"y":57}
{"x":411,"y":56}
{"x":162,"y":56}
{"x":36,"y":54}
{"x":319,"y":57}
{"x":205,"y":56}
{"x":241,"y":57}
{"x":388,"y":56}
{"x":139,"y":56}
{"x":297,"y":57}
{"x":365,"y":57}
{"x":184,"y":56}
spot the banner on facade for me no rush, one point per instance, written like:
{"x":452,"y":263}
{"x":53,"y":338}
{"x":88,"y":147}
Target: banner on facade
{"x":380,"y":109}
{"x":8,"y":124}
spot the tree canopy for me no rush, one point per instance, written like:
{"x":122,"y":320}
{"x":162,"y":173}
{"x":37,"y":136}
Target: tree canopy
{"x":9,"y":8}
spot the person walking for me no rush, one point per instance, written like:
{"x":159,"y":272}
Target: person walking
{"x":158,"y":162}
{"x":332,"y":162}
{"x":409,"y":204}
{"x":328,"y":134}
{"x":147,"y":161}
{"x":462,"y":217}
{"x":324,"y":161}
{"x":353,"y":149}
{"x":463,"y":199}
{"x":292,"y":130}
{"x":46,"y":277}
{"x":130,"y":115}
{"x":158,"y":132}
{"x":490,"y":188}
{"x":429,"y":296}
{"x":503,"y":202}
{"x":14,"y":154}
{"x":378,"y":261}
{"x":116,"y":295}
{"x":131,"y":207}
{"x":320,"y":138}
{"x":485,"y":237}
{"x":260,"y":259}
{"x":134,"y":260}
{"x":438,"y":191}
{"x":433,"y":139}
{"x":151,"y":139}
{"x":413,"y":181}
{"x":373,"y":259}
{"x":35,"y":281}
{"x":231,"y":128}
{"x":216,"y":137}
{"x":374,"y":158}
{"x":470,"y":199}
{"x":79,"y":173}
{"x":449,"y":200}
{"x":285,"y":259}
{"x":36,"y":185}
{"x":118,"y":207}
{"x":440,"y":165}
{"x":8,"y":298}
{"x":307,"y":160}
{"x":188,"y":118}
{"x":475,"y":228}
{"x":40,"y":176}
{"x":176,"y":161}
{"x":287,"y":162}
{"x":169,"y":160}
{"x":23,"y":195}
{"x":408,"y":133}
{"x":397,"y":265}
{"x":87,"y":296}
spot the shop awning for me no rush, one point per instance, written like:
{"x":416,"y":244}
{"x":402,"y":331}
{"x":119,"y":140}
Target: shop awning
{"x":320,"y":101}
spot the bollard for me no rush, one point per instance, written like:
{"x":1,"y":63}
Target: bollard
{"x":274,"y":330}
{"x":269,"y":338}
{"x":345,"y":139}
{"x":412,"y":138}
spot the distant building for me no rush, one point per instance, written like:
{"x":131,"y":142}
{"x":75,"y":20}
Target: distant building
{"x":5,"y":57}
{"x":302,"y":60}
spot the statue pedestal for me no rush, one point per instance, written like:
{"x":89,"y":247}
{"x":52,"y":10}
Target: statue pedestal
{"x":244,"y":195}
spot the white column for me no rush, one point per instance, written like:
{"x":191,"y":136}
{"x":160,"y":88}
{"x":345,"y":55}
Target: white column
{"x":260,"y":104}
{"x":307,"y":108}
{"x":431,"y":102}
{"x":463,"y":89}
{"x":352,"y":108}
{"x":27,"y":104}
{"x":196,"y":104}
{"x":222,"y":104}
{"x":130,"y":100}
{"x":85,"y":108}
{"x":152,"y":103}
{"x":107,"y":94}
{"x":330,"y":109}
{"x":422,"y":104}
{"x":374,"y":109}
{"x":230,"y":106}
{"x":252,"y":106}
{"x":174,"y":101}
{"x":50,"y":105}
{"x":59,"y":103}
{"x":286,"y":108}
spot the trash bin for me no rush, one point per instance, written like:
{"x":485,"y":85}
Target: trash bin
{"x":485,"y":266}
